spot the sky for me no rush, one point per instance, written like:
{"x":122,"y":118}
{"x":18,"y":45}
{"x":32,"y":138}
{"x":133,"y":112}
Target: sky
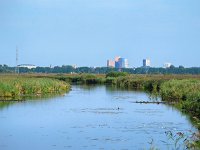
{"x":88,"y":32}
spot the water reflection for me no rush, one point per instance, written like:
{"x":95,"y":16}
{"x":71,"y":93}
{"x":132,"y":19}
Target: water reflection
{"x":6,"y":102}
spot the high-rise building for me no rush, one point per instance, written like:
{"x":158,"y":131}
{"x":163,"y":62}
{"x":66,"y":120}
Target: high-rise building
{"x":117,"y":58}
{"x":146,"y":63}
{"x":126,"y":63}
{"x":110,"y":63}
{"x":121,"y":63}
{"x":118,"y":63}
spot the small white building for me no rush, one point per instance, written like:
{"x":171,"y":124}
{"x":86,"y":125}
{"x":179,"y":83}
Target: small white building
{"x":29,"y":66}
{"x":167,"y":65}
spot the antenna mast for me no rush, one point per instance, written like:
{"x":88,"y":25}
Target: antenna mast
{"x":17,"y":59}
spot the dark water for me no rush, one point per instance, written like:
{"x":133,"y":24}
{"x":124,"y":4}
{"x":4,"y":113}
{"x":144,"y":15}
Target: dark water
{"x":89,"y":118}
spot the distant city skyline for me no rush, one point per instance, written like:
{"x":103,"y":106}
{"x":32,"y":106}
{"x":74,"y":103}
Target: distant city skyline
{"x":118,"y":62}
{"x":88,"y":32}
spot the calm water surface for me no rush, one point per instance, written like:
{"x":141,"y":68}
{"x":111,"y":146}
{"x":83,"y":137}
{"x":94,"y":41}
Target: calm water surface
{"x":89,"y":117}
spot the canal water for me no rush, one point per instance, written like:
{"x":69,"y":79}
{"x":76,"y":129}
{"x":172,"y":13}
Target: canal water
{"x":90,"y":117}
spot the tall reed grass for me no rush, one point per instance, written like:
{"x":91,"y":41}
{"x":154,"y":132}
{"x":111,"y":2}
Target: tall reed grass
{"x":186,"y":93}
{"x":16,"y":86}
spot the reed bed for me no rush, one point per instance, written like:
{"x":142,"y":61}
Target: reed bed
{"x":187,"y":95}
{"x":17,"y":86}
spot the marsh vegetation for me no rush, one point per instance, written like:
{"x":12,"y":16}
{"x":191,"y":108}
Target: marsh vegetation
{"x":15,"y":87}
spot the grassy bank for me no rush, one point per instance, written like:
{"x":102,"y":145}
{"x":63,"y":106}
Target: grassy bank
{"x":17,"y":86}
{"x":82,"y":78}
{"x":187,"y":95}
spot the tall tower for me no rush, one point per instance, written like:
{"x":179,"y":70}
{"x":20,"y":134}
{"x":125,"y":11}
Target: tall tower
{"x":17,"y":59}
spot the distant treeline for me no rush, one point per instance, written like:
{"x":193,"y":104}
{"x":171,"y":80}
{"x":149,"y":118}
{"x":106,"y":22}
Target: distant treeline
{"x":102,"y":70}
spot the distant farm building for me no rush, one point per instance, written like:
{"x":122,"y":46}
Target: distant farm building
{"x":29,"y":66}
{"x":167,"y":65}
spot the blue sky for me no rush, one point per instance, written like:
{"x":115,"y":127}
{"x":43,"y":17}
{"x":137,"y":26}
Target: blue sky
{"x":88,"y":32}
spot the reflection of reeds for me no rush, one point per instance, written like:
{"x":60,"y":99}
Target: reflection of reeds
{"x":12,"y":87}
